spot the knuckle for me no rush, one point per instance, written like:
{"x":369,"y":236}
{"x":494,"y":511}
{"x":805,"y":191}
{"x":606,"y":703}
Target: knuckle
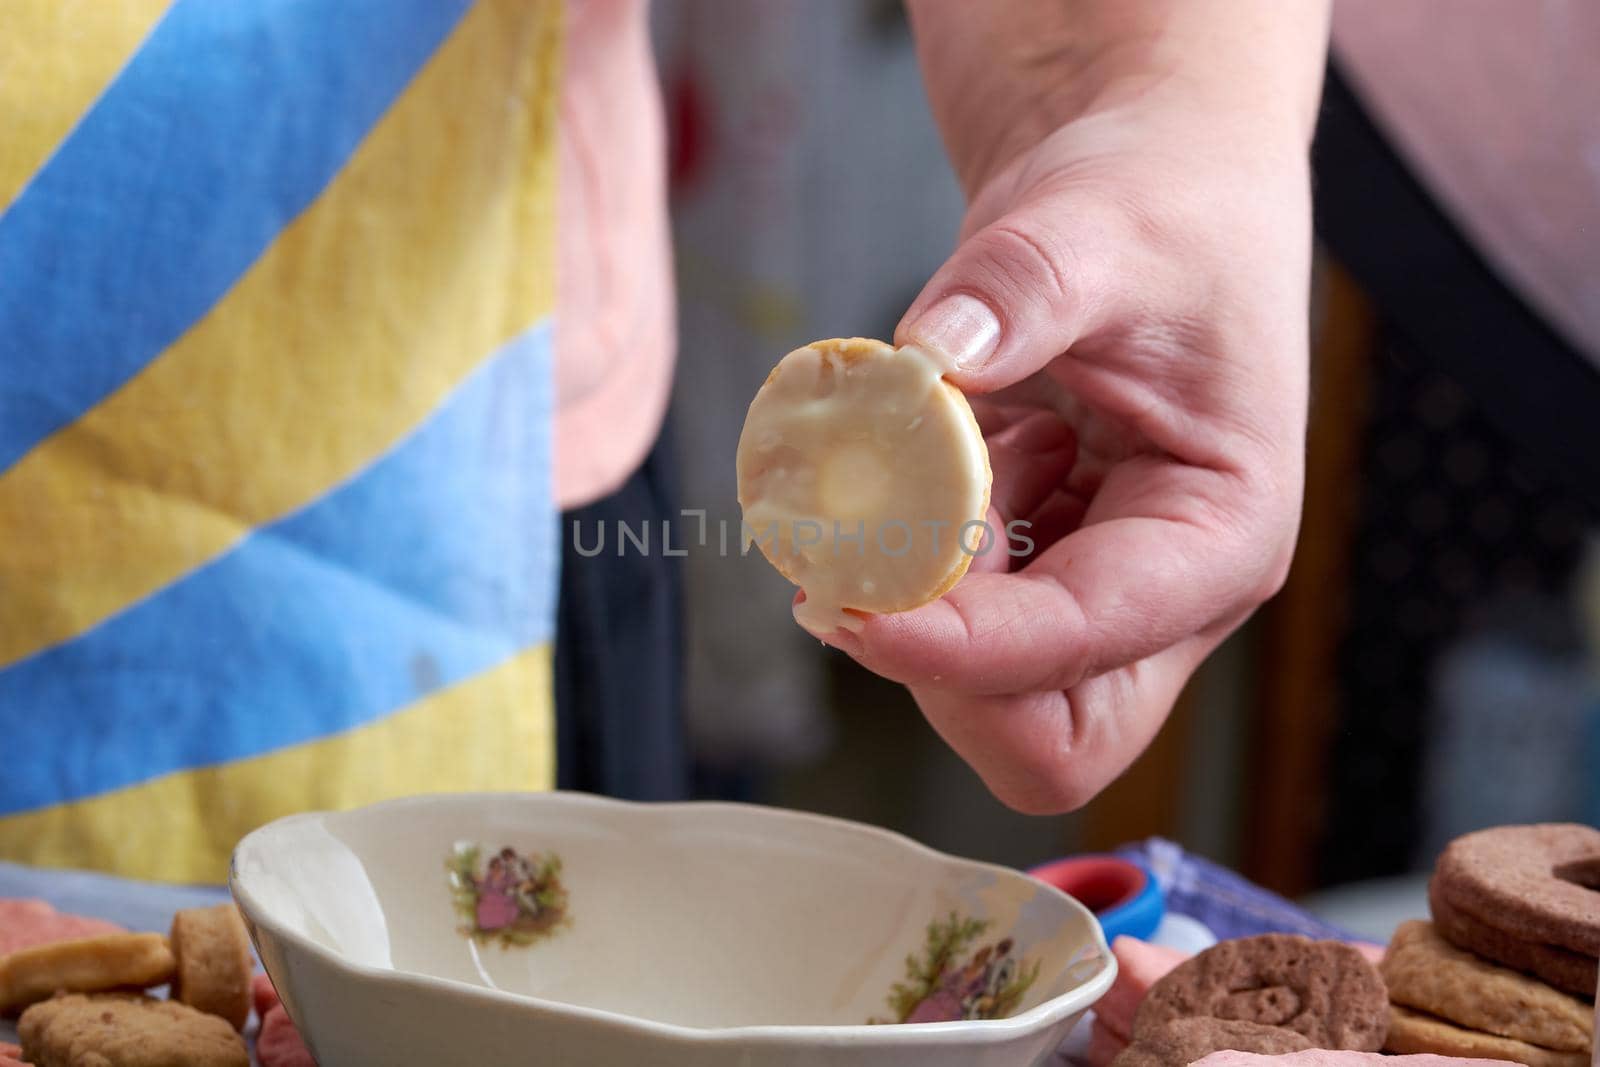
{"x":1263,"y":519}
{"x":1027,"y":254}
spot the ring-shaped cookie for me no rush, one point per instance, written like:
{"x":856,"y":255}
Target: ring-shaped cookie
{"x":1536,"y":883}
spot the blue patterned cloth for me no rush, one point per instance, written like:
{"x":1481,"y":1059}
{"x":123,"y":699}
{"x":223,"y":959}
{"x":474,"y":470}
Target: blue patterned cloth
{"x":1228,"y":904}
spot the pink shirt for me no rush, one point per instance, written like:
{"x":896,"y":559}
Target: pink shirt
{"x":1495,"y":104}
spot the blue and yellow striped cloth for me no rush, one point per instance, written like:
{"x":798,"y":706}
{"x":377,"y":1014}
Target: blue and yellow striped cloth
{"x":276,"y":397}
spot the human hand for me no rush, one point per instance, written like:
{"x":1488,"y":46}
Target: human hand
{"x":1136,"y":252}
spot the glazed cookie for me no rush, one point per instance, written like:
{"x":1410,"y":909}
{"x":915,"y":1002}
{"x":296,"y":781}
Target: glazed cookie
{"x":1182,"y":1041}
{"x":864,"y":478}
{"x":1412,"y":1032}
{"x":89,"y":965}
{"x":1427,"y":973}
{"x":1532,"y":883}
{"x":1562,"y":968}
{"x":118,"y":1030}
{"x":213,"y":962}
{"x":1326,"y":991}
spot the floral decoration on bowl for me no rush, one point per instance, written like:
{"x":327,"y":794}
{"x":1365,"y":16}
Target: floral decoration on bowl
{"x":940,"y":988}
{"x":515,"y":898}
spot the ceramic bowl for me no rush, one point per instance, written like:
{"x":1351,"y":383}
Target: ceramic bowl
{"x":562,"y":928}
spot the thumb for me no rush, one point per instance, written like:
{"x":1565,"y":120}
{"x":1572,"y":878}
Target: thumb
{"x":1014,"y":295}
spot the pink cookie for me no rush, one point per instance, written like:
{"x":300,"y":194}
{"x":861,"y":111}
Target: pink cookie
{"x":279,"y":1043}
{"x":1104,"y":1046}
{"x":23,"y":909}
{"x":1374,"y":954}
{"x":27,"y":923}
{"x":263,"y":995}
{"x":1319,"y":1057}
{"x":1140,"y":965}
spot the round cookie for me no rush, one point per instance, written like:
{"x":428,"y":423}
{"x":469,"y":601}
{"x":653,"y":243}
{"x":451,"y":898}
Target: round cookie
{"x":1562,"y":968}
{"x":212,"y":949}
{"x":116,"y":1030}
{"x":863,"y":478}
{"x":1426,"y":973}
{"x":1510,"y":877}
{"x":1326,"y":991}
{"x":1182,"y":1041}
{"x":1414,"y":1032}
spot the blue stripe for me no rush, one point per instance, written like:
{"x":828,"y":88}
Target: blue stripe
{"x":219,"y":131}
{"x":434,"y":564}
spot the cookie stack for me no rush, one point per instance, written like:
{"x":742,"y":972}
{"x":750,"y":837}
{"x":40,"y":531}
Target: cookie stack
{"x":1525,"y":896}
{"x":77,"y":1011}
{"x":1271,"y":994}
{"x":1507,"y":967}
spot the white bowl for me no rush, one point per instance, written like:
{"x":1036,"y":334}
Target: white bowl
{"x":692,"y":934}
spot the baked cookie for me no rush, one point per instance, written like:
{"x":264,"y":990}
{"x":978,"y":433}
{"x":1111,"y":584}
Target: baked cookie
{"x":1326,"y":991}
{"x":214,"y":969}
{"x":88,"y":965}
{"x":120,"y":1030}
{"x":1425,"y":972}
{"x":864,"y":478}
{"x":1562,"y":968}
{"x":1531,"y":884}
{"x":1182,"y":1041}
{"x":1411,"y":1032}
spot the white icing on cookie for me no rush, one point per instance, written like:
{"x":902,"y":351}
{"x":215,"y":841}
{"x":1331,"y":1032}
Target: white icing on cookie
{"x":864,"y":479}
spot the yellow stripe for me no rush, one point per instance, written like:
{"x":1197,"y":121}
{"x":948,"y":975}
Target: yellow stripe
{"x":432,"y":247}
{"x":56,"y":58}
{"x":182,"y":827}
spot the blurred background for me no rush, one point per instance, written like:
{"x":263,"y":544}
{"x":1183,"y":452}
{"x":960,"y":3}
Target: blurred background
{"x":1430,"y":667}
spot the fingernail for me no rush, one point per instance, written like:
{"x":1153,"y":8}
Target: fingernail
{"x":961,"y":328}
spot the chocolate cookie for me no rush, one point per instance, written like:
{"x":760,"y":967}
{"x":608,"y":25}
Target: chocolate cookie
{"x":1528,"y":882}
{"x":1562,"y":968}
{"x":1325,"y":991}
{"x":1426,"y":973}
{"x":1182,"y":1041}
{"x":1413,"y":1032}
